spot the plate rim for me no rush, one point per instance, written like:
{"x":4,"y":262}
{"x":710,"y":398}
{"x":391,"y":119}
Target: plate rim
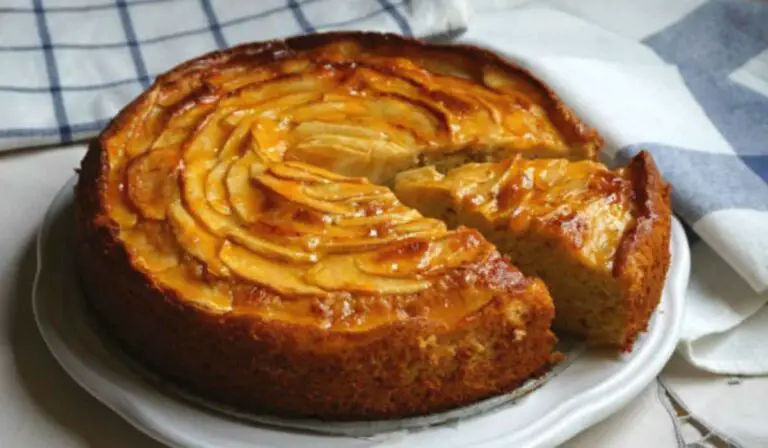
{"x":569,"y":418}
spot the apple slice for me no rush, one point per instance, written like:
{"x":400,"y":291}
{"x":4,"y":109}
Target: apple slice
{"x":282,"y":87}
{"x":209,"y":137}
{"x":270,"y":108}
{"x":285,"y":278}
{"x":181,"y":124}
{"x":245,"y":198}
{"x":151,"y":181}
{"x":293,"y":191}
{"x":212,"y":297}
{"x":398,"y":216}
{"x":309,"y":129}
{"x":215,"y":188}
{"x":152,"y":246}
{"x":271,"y":250}
{"x":296,"y":66}
{"x":193,"y":193}
{"x":236,"y":140}
{"x":340,"y":273}
{"x":342,"y":192}
{"x":415,"y":256}
{"x":337,"y":108}
{"x":146,"y":128}
{"x":253,"y":75}
{"x":406,"y":114}
{"x":302,"y":172}
{"x":374,"y":238}
{"x":195,"y":239}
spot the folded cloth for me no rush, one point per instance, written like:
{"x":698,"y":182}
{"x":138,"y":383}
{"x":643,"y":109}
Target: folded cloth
{"x":67,"y":67}
{"x":686,"y":79}
{"x":689,"y":82}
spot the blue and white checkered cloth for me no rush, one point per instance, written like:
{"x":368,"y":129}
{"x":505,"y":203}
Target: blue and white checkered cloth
{"x":687,"y":79}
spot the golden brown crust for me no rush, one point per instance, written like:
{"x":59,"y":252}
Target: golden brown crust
{"x":643,"y":258}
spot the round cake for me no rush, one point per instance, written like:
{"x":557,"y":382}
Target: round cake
{"x":238,"y":235}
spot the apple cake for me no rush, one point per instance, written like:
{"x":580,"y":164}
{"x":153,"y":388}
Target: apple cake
{"x":598,"y":238}
{"x":238,"y":234}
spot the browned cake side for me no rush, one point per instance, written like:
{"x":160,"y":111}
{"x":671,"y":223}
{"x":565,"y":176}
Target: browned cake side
{"x":598,"y":238}
{"x":226,"y":238}
{"x":643,"y":258}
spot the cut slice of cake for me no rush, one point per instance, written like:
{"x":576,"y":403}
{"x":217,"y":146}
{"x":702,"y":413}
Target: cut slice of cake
{"x":599,"y":238}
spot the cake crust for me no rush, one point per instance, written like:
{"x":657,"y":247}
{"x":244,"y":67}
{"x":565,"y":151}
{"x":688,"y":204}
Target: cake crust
{"x":643,"y":258}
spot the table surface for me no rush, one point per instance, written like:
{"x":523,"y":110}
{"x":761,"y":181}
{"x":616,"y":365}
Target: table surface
{"x":42,"y":406}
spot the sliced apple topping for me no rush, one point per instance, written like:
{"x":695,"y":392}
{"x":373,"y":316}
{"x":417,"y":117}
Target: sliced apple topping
{"x":283,"y":86}
{"x":269,"y":171}
{"x":400,"y":259}
{"x":196,"y":240}
{"x":215,"y":297}
{"x":308,"y":129}
{"x":246,"y":78}
{"x":340,"y":192}
{"x":340,"y":273}
{"x":307,"y":173}
{"x":181,"y":124}
{"x":193,"y":194}
{"x":368,"y":238}
{"x":407,"y":115}
{"x":237,"y":140}
{"x":272,"y":107}
{"x":400,"y":216}
{"x":246,"y":199}
{"x":215,"y":188}
{"x":270,"y":138}
{"x":285,"y":278}
{"x":422,"y":256}
{"x":332,"y":108}
{"x":151,"y":181}
{"x":152,"y":246}
{"x":209,"y":137}
{"x":271,"y":249}
{"x":145,"y":129}
{"x":294,"y":191}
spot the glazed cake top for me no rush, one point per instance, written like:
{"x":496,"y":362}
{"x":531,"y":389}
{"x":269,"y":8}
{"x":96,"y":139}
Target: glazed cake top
{"x":246,"y":180}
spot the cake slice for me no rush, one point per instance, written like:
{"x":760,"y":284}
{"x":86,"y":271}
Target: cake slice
{"x":599,"y":238}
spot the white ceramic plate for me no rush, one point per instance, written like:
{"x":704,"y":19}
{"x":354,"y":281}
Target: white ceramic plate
{"x":595,"y":384}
